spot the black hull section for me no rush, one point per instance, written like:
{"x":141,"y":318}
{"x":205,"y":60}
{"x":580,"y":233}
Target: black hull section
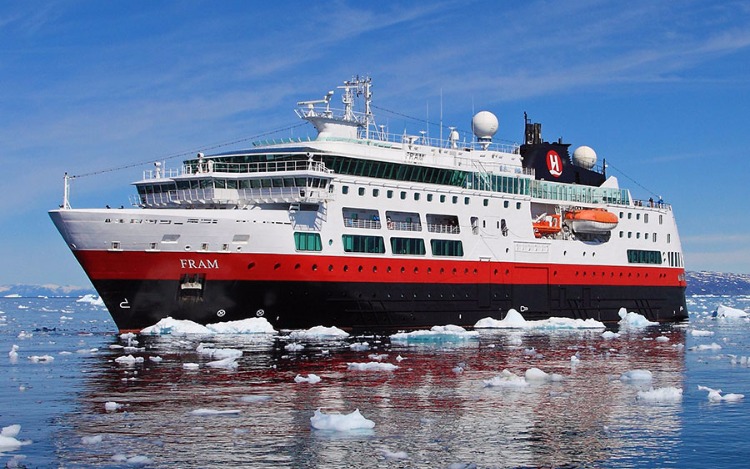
{"x":373,"y":307}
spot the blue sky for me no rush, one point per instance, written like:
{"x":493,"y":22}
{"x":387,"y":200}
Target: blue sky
{"x":659,"y":89}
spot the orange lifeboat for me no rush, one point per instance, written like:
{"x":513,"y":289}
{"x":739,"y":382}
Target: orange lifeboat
{"x":546,"y":225}
{"x":593,"y":220}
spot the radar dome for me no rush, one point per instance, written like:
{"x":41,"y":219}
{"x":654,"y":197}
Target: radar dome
{"x":484,"y":124}
{"x":584,"y":157}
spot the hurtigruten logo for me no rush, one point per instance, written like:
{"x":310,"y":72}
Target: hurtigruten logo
{"x":199,"y":264}
{"x":554,"y":163}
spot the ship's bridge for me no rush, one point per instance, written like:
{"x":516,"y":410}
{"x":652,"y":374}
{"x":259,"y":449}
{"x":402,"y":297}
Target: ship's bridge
{"x":210,"y":183}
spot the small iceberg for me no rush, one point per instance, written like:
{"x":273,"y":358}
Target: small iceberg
{"x":171,"y":326}
{"x":311,"y":378}
{"x":729,"y":313}
{"x":93,"y":300}
{"x":660,"y":395}
{"x":371,"y":366}
{"x":339,"y":422}
{"x":8,"y":441}
{"x":449,"y":333}
{"x":319,"y":333}
{"x":514,"y":320}
{"x":714,"y":395}
{"x":630,"y":320}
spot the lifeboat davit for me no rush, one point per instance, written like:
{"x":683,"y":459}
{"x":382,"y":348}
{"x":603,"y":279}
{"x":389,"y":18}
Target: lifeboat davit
{"x":594,"y":220}
{"x":546,"y":225}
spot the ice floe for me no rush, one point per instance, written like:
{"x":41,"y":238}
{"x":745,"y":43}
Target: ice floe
{"x":93,"y":300}
{"x":340,"y":422}
{"x":8,"y":440}
{"x":138,"y":460}
{"x":311,"y":378}
{"x":636,"y":376}
{"x":700,"y":333}
{"x":660,"y":395}
{"x":171,"y":326}
{"x":13,"y":354}
{"x":319,"y":333}
{"x":92,"y":440}
{"x":449,"y":333}
{"x":702,"y":347}
{"x":514,"y":320}
{"x":128,"y":360}
{"x":730,"y":313}
{"x":630,"y":320}
{"x":508,"y":379}
{"x":714,"y":395}
{"x":205,"y":412}
{"x":371,"y":366}
{"x":112,"y":406}
{"x":41,"y":358}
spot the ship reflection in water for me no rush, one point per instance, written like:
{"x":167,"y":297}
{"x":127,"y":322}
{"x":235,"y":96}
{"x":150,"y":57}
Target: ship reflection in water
{"x":434,"y":410}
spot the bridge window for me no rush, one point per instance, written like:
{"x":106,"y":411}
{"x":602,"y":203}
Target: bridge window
{"x":638,"y":256}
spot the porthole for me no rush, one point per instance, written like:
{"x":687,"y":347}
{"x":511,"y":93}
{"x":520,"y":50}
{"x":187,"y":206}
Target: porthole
{"x":359,"y":269}
{"x":315,"y":267}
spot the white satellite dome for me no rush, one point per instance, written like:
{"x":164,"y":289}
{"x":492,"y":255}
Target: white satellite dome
{"x":485,"y":125}
{"x":585,"y":157}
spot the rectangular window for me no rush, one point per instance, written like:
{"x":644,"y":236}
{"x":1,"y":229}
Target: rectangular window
{"x":416,"y":196}
{"x":389,"y":194}
{"x":368,"y":244}
{"x":446,"y":247}
{"x":638,"y":256}
{"x":466,"y":200}
{"x":455,"y":199}
{"x":307,"y":242}
{"x":361,"y":191}
{"x":429,"y":197}
{"x":442,"y":198}
{"x":375,"y":192}
{"x":485,"y":202}
{"x":413,"y":246}
{"x":345,"y":189}
{"x":403,"y":195}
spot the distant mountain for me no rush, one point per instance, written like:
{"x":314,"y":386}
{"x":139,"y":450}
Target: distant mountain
{"x":717,"y":283}
{"x":49,"y":290}
{"x":699,"y":283}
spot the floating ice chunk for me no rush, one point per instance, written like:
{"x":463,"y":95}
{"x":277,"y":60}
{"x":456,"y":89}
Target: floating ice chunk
{"x":535,"y":375}
{"x":514,"y":320}
{"x":229,"y":363}
{"x":575,"y":359}
{"x":379,"y":357}
{"x":340,"y":422}
{"x":633,"y":320}
{"x":128,"y":360}
{"x":218,"y":353}
{"x":138,"y":460}
{"x":702,"y":347}
{"x":170,"y":326}
{"x":636,"y":375}
{"x":506,"y":379}
{"x":311,"y":378}
{"x":202,"y":412}
{"x":93,"y":300}
{"x":112,"y":406}
{"x":155,"y":359}
{"x":662,"y":338}
{"x":13,"y":354}
{"x":294,"y":347}
{"x":371,"y":366}
{"x":393,"y":455}
{"x":714,"y":395}
{"x":667,"y":394}
{"x":731,"y":313}
{"x":41,"y":358}
{"x":699,"y":333}
{"x":253,"y":399}
{"x":449,"y":333}
{"x":92,"y":440}
{"x":190,"y":366}
{"x":319,"y":332}
{"x":400,"y":358}
{"x":8,"y":441}
{"x":360,"y":347}
{"x":243,"y":326}
{"x":25,"y":335}
{"x":610,"y":335}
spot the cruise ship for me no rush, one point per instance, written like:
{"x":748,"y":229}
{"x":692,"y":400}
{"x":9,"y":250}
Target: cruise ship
{"x":366,"y":230}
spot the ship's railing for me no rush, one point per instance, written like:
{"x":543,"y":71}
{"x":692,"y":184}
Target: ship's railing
{"x":360,"y":223}
{"x":404,"y":226}
{"x":451,"y":229}
{"x":209,"y":166}
{"x":377,"y":138}
{"x":211,"y":196}
{"x":652,"y":203}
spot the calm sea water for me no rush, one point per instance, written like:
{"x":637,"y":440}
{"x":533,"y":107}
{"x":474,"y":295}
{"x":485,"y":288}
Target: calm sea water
{"x":433,"y":411}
